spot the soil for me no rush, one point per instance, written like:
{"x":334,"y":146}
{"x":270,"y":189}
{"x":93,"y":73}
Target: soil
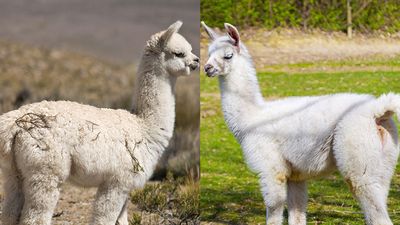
{"x":282,"y":47}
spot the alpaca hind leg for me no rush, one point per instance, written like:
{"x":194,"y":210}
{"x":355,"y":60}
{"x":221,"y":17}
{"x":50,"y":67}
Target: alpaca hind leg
{"x":13,"y":198}
{"x":41,"y":194}
{"x":123,"y":216}
{"x":367,"y":161}
{"x":274,"y":194}
{"x":109,"y":204}
{"x":297,"y":202}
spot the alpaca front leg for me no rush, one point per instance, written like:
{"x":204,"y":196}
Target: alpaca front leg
{"x":13,"y":198}
{"x":109,"y":204}
{"x":123,"y":216}
{"x":274,"y":194}
{"x":41,"y":194}
{"x":297,"y":202}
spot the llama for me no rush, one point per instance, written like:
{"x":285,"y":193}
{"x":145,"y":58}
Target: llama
{"x":44,"y":144}
{"x":289,"y":141}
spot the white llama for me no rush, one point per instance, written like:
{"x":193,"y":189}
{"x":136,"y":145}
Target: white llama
{"x":292,"y":140}
{"x":44,"y":144}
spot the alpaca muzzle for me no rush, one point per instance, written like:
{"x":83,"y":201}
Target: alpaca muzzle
{"x":210,"y":70}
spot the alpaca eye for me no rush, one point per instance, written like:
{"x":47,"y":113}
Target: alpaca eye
{"x":229,"y":56}
{"x":179,"y":54}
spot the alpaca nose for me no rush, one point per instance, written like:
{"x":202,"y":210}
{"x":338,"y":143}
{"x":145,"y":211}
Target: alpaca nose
{"x":196,"y":59}
{"x":208,"y":68}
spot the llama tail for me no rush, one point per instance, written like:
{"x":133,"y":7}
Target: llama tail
{"x":386,"y":106}
{"x":8,"y":130}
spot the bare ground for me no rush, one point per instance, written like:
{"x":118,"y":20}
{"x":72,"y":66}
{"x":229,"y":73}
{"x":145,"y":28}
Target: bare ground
{"x":282,"y":47}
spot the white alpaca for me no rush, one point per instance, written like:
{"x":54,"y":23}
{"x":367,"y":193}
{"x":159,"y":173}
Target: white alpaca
{"x":291,"y":140}
{"x":44,"y":144}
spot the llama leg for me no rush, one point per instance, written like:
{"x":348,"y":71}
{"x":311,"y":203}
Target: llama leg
{"x":297,"y":202}
{"x":123,"y":216}
{"x":13,"y":198}
{"x":274,"y":194}
{"x":109,"y":203}
{"x":41,"y":194}
{"x":367,"y":163}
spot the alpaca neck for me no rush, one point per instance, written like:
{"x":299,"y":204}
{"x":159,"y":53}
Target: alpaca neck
{"x":155,"y":100}
{"x":240,"y":95}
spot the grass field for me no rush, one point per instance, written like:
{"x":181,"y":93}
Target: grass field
{"x":230,"y":192}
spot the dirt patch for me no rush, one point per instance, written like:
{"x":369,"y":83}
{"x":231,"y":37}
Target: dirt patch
{"x":291,"y":46}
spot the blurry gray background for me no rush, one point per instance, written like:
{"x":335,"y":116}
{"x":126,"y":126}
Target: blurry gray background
{"x":115,"y":30}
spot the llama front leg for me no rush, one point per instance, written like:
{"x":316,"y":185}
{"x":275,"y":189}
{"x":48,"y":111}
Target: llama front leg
{"x":123,"y":216}
{"x":41,"y":194}
{"x":109,"y":204}
{"x":297,"y":202}
{"x":273,"y":189}
{"x":13,"y":198}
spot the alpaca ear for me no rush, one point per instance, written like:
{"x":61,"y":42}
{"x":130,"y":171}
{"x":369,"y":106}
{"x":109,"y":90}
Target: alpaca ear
{"x":211,"y":33}
{"x":169,"y":32}
{"x":233,"y":33}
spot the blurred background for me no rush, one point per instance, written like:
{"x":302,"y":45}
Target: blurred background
{"x":87,"y":51}
{"x":299,"y":48}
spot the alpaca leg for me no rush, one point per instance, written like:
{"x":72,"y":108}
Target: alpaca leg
{"x":109,"y":204}
{"x":367,"y":163}
{"x":297,"y":202}
{"x":13,"y":198}
{"x":274,"y":193}
{"x":41,"y":194}
{"x":123,"y":216}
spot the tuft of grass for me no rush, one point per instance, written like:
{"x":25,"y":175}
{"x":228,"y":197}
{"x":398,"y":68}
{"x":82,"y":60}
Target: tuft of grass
{"x":230,"y":192}
{"x":173,"y":201}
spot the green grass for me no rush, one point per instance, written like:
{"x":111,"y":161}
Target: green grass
{"x":230,"y":192}
{"x":372,"y":61}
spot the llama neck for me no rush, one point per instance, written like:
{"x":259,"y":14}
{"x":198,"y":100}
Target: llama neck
{"x":240,"y":95}
{"x":155,"y":100}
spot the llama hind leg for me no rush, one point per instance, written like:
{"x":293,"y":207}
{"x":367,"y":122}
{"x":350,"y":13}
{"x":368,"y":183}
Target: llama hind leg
{"x":13,"y":198}
{"x":41,"y":194}
{"x":109,"y":204}
{"x":297,"y":202}
{"x":367,"y":161}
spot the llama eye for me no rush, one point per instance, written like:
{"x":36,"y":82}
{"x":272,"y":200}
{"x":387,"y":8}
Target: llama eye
{"x":179,"y":54}
{"x":229,"y":56}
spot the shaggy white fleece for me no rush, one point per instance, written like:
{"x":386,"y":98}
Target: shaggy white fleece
{"x":44,"y":144}
{"x":292,"y":140}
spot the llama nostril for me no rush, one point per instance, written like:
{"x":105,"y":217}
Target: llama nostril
{"x":207,"y":68}
{"x":196,"y":60}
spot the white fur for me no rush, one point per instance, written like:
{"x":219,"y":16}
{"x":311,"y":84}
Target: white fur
{"x":113,"y":150}
{"x":292,"y":140}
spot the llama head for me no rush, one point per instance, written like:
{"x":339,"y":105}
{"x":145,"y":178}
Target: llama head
{"x":174,"y":50}
{"x":224,"y":51}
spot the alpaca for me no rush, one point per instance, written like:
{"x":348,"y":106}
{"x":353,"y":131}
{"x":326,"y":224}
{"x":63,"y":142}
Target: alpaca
{"x":289,"y":141}
{"x":44,"y":144}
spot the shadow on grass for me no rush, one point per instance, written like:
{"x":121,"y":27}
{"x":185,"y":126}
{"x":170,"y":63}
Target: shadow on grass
{"x":230,"y":207}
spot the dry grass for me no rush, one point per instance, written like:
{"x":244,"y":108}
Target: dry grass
{"x":174,"y":201}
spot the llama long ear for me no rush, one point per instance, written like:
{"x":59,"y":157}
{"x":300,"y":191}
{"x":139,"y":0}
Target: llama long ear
{"x":169,"y":32}
{"x":233,"y":33}
{"x":211,"y":33}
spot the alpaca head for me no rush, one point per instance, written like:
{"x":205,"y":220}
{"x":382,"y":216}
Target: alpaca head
{"x":175,"y":51}
{"x":224,"y":51}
